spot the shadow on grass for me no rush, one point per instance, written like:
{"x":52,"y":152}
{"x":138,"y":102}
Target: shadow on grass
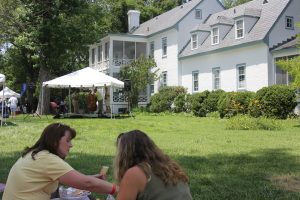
{"x":217,"y":176}
{"x":8,"y":123}
{"x":243,"y":176}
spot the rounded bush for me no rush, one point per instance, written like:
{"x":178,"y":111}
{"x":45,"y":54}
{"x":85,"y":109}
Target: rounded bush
{"x":196,"y":103}
{"x":210,"y":104}
{"x":163,"y":100}
{"x":182,"y":103}
{"x":277,"y":101}
{"x":233,"y":103}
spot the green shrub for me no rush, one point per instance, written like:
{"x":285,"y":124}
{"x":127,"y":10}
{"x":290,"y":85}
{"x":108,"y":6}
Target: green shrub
{"x":245,"y":122}
{"x":210,"y":104}
{"x":277,"y":101}
{"x":182,"y":103}
{"x":162,"y":101}
{"x":233,"y":103}
{"x":196,"y":103}
{"x":214,"y":114}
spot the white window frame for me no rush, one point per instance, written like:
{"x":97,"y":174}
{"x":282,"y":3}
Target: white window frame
{"x":239,"y":87}
{"x":106,"y":51}
{"x":164,"y":78}
{"x":214,"y":77}
{"x":236,"y":29}
{"x":291,"y":27}
{"x":213,"y":36}
{"x":196,"y":14}
{"x":100,"y":53}
{"x":194,"y":41}
{"x":195,"y":83}
{"x":151,"y":49}
{"x":93,"y":56}
{"x":164,"y":46}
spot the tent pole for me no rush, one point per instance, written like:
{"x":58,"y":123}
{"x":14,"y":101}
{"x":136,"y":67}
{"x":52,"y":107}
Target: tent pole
{"x":111,"y":98}
{"x":70,"y":99}
{"x":2,"y":104}
{"x":42,"y":106}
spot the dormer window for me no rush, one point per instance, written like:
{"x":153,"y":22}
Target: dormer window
{"x":194,"y":41}
{"x":215,"y":36}
{"x":289,"y":22}
{"x":198,"y":14}
{"x":239,"y":29}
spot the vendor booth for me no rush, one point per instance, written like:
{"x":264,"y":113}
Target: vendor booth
{"x":2,"y":83}
{"x":87,"y":78}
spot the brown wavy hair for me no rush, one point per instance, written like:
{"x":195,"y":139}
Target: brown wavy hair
{"x":49,"y":139}
{"x":135,"y":148}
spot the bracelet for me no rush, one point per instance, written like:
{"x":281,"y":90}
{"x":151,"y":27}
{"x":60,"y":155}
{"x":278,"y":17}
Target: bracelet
{"x":113,"y":189}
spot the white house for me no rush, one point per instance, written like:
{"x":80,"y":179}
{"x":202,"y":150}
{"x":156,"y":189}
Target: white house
{"x":162,"y":37}
{"x":202,"y":46}
{"x":236,"y":49}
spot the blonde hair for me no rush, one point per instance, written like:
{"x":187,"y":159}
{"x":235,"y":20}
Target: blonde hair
{"x":135,"y":148}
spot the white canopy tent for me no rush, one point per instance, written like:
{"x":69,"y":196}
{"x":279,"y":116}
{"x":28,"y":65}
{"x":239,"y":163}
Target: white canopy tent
{"x":2,"y":82}
{"x":84,"y":78}
{"x":7,"y":93}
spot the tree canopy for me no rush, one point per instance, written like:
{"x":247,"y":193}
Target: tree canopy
{"x":233,"y":3}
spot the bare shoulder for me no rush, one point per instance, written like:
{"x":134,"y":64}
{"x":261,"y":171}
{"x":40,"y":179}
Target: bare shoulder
{"x":135,"y":172}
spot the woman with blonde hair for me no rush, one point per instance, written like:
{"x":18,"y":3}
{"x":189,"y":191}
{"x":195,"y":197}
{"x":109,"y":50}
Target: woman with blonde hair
{"x":144,"y":172}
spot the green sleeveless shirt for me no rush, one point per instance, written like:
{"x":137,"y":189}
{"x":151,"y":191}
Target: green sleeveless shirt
{"x":157,"y":190}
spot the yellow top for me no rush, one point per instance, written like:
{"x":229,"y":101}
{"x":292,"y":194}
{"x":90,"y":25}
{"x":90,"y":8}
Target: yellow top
{"x":36,"y":179}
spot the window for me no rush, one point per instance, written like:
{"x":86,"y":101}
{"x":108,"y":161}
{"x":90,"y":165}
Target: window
{"x":93,"y":56}
{"x":164,"y":79}
{"x":289,"y":22}
{"x":241,"y":70}
{"x":106,"y":56}
{"x":216,"y":78}
{"x":215,"y":36}
{"x":194,"y":41}
{"x":239,"y":29}
{"x":151,"y":49}
{"x":152,"y":88}
{"x":282,"y":77}
{"x":164,"y":46}
{"x":100,"y":53}
{"x":195,"y":81}
{"x":198,"y":14}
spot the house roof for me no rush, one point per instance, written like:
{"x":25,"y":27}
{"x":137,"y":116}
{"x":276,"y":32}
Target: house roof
{"x":267,"y":15}
{"x":166,"y":20}
{"x":289,"y":43}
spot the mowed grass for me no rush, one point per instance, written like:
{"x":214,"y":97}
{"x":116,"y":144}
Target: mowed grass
{"x":221,"y":164}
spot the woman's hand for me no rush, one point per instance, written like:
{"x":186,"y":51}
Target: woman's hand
{"x":100,"y":176}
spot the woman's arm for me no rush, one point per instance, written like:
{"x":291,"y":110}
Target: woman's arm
{"x":78,"y":180}
{"x":133,"y":182}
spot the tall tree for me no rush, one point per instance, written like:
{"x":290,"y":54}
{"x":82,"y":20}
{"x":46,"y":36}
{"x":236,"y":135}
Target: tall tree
{"x":141,"y":72}
{"x":148,"y":9}
{"x":50,"y":37}
{"x":233,"y":3}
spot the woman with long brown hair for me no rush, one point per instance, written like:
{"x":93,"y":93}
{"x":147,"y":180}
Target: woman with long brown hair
{"x":37,"y":173}
{"x":144,"y":172}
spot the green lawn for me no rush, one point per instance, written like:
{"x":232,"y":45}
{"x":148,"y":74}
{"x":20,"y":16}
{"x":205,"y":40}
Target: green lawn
{"x":221,"y":164}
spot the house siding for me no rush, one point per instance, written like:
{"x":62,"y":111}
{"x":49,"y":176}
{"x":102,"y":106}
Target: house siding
{"x":279,"y":33}
{"x":170,"y":62}
{"x":256,"y":69}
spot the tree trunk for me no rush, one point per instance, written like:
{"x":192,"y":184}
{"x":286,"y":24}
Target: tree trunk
{"x":43,"y":105}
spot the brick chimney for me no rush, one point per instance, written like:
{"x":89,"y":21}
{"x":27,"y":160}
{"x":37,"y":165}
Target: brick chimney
{"x":133,"y":19}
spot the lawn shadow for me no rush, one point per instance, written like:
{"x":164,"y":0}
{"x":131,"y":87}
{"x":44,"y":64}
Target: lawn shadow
{"x":8,"y":123}
{"x":244,"y":176}
{"x":254,"y":176}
